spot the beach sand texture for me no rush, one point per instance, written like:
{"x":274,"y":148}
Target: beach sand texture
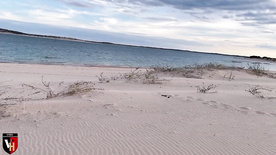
{"x":129,"y":117}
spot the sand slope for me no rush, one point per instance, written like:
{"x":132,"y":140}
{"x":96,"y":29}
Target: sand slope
{"x":126,"y":117}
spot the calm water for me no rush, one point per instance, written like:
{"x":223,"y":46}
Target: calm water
{"x":24,"y":49}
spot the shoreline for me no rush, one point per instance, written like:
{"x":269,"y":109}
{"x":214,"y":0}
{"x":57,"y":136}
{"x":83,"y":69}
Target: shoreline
{"x":131,"y":67}
{"x":72,"y":65}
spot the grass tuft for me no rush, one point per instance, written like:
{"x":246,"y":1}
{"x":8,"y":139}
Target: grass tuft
{"x":230,"y":76}
{"x":257,"y":69}
{"x":103,"y":78}
{"x":256,"y":91}
{"x":203,"y":89}
{"x":72,"y":89}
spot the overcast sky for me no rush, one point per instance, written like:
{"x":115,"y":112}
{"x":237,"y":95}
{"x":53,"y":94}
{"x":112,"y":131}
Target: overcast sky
{"x":243,"y":27}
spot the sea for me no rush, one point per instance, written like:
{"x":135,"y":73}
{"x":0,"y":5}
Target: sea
{"x":36,"y":50}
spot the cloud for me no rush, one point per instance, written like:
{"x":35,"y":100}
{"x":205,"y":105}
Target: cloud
{"x":98,"y":35}
{"x":238,"y":5}
{"x":161,"y":19}
{"x":78,"y":4}
{"x":248,"y":12}
{"x":75,"y":3}
{"x":260,"y":17}
{"x":9,"y":15}
{"x":215,"y":4}
{"x":207,"y":4}
{"x":54,"y":17}
{"x":267,"y":31}
{"x":265,"y":46}
{"x":258,"y":12}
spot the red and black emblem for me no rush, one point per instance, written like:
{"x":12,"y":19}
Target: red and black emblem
{"x":10,"y":142}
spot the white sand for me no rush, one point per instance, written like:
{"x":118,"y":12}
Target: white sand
{"x":125,"y":118}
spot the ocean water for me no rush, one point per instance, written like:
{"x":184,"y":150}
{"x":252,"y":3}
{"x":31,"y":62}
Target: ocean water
{"x":23,"y":49}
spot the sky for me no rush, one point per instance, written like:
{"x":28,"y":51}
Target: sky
{"x":236,"y":27}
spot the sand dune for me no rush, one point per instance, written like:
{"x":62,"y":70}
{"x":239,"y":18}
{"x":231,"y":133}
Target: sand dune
{"x":123,"y":117}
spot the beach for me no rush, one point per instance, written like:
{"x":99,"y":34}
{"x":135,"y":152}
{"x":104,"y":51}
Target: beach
{"x":68,"y":110}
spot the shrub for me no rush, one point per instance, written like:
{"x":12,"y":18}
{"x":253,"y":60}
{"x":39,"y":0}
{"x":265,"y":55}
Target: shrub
{"x":204,"y":89}
{"x":72,"y":89}
{"x":230,"y":77}
{"x":257,"y":69}
{"x":256,"y":91}
{"x":102,"y":78}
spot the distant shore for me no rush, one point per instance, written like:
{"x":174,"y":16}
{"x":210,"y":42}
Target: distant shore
{"x":6,"y":31}
{"x":263,"y":58}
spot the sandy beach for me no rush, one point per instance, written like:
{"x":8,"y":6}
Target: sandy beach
{"x":72,"y":110}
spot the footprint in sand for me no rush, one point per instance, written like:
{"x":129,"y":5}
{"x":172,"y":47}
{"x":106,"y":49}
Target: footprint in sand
{"x":199,"y":99}
{"x":206,"y":102}
{"x":107,"y":106}
{"x":213,"y":101}
{"x":260,"y":112}
{"x":244,"y":112}
{"x":245,"y":108}
{"x":273,"y":114}
{"x":190,"y":98}
{"x":214,"y":106}
{"x":226,"y":106}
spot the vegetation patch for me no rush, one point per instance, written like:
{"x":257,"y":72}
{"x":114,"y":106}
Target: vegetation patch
{"x":71,"y":89}
{"x":146,"y":77}
{"x":203,"y":89}
{"x":257,"y":69}
{"x":230,"y":76}
{"x":260,"y":91}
